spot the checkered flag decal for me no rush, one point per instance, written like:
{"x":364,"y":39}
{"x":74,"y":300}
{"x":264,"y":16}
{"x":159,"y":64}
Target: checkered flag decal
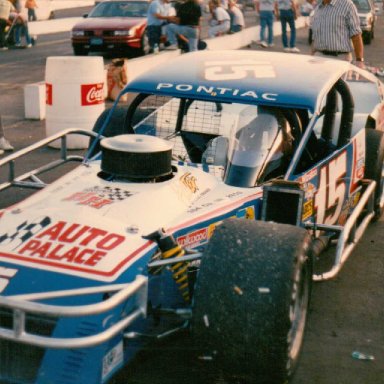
{"x":24,"y":231}
{"x":114,"y":194}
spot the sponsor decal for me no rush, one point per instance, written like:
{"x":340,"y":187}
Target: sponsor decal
{"x":48,"y":94}
{"x":307,"y":210}
{"x":214,"y":91}
{"x":189,"y":181}
{"x":112,"y":360}
{"x":194,"y":238}
{"x":74,"y":248}
{"x":92,"y":94}
{"x":98,"y":197}
{"x":71,"y":243}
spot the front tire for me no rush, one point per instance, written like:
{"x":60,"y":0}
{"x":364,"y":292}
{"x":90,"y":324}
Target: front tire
{"x":374,"y":166}
{"x":251,"y":299}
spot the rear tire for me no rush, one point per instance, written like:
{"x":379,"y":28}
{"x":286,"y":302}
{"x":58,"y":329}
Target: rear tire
{"x":251,"y":299}
{"x":374,"y":166}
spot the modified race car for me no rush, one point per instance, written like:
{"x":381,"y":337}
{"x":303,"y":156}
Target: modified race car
{"x":205,"y":205}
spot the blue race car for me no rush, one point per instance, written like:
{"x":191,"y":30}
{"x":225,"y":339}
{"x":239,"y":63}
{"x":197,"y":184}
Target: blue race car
{"x":202,"y":206}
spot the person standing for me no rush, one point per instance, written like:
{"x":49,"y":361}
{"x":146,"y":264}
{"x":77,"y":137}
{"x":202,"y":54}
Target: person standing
{"x":221,"y":20}
{"x":21,"y":26}
{"x":336,"y":31}
{"x":31,"y":6}
{"x":186,"y":24}
{"x":157,"y":16}
{"x":265,"y":9}
{"x":237,"y":17}
{"x":287,"y":13}
{"x":5,"y":10}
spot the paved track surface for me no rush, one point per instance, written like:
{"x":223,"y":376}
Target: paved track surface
{"x":346,"y":314}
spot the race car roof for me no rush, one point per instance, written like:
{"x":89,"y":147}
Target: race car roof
{"x":281,"y":79}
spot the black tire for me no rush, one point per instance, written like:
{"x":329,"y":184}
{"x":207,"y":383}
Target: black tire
{"x":116,"y":126}
{"x":251,"y":299}
{"x":145,"y":47}
{"x":374,"y":165}
{"x":79,"y":51}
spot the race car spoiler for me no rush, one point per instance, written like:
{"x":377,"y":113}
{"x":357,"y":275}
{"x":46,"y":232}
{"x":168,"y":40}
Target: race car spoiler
{"x":23,"y":305}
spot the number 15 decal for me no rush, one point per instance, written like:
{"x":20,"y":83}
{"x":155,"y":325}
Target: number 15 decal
{"x":238,"y":69}
{"x":331,"y":190}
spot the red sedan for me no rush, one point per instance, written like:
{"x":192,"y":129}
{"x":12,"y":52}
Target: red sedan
{"x":115,"y":26}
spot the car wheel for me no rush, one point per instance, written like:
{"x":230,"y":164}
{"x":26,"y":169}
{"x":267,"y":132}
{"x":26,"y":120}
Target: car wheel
{"x":79,"y":51}
{"x":251,"y":299}
{"x":145,"y":47}
{"x":374,"y":166}
{"x":116,"y":126}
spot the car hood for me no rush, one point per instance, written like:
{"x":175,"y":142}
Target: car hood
{"x":85,"y":228}
{"x":109,"y":23}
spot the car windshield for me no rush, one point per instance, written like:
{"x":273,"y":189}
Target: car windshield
{"x":258,"y":148}
{"x":362,"y":5}
{"x":120,"y":9}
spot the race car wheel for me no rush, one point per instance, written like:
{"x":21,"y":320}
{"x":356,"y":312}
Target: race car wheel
{"x":116,"y":126}
{"x":374,"y":166}
{"x":251,"y":300}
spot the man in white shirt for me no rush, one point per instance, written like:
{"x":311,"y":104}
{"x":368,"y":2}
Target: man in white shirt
{"x":265,"y":9}
{"x":221,"y":20}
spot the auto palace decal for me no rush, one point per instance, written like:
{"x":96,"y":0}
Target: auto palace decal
{"x":74,"y":247}
{"x":98,"y":197}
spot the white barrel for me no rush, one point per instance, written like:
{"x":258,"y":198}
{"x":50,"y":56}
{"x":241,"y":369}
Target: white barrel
{"x":74,"y":96}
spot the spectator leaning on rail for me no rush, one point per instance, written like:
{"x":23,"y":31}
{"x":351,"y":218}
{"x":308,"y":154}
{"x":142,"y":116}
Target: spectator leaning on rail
{"x":5,"y":10}
{"x":265,"y":9}
{"x":287,"y":13}
{"x":336,"y":31}
{"x":220,"y":22}
{"x":187,"y":24}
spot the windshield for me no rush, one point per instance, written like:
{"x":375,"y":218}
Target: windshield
{"x":120,"y":9}
{"x":259,"y":149}
{"x":362,"y":5}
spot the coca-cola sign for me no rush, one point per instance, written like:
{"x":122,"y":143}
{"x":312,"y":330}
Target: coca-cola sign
{"x":48,"y":94}
{"x":92,"y":94}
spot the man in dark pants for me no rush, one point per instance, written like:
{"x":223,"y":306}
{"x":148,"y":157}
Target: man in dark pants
{"x":186,"y":23}
{"x":336,"y":31}
{"x":156,"y":17}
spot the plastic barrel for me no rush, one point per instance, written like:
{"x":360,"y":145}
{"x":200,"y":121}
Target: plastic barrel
{"x":74,"y":96}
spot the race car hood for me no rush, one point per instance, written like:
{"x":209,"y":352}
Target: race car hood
{"x":109,"y":23}
{"x":90,"y":228}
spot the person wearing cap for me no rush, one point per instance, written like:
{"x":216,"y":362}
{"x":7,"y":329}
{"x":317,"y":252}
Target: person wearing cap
{"x":336,"y":31}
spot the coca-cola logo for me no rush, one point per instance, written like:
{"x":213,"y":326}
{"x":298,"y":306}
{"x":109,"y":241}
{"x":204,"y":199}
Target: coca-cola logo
{"x":92,"y":94}
{"x":48,"y":94}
